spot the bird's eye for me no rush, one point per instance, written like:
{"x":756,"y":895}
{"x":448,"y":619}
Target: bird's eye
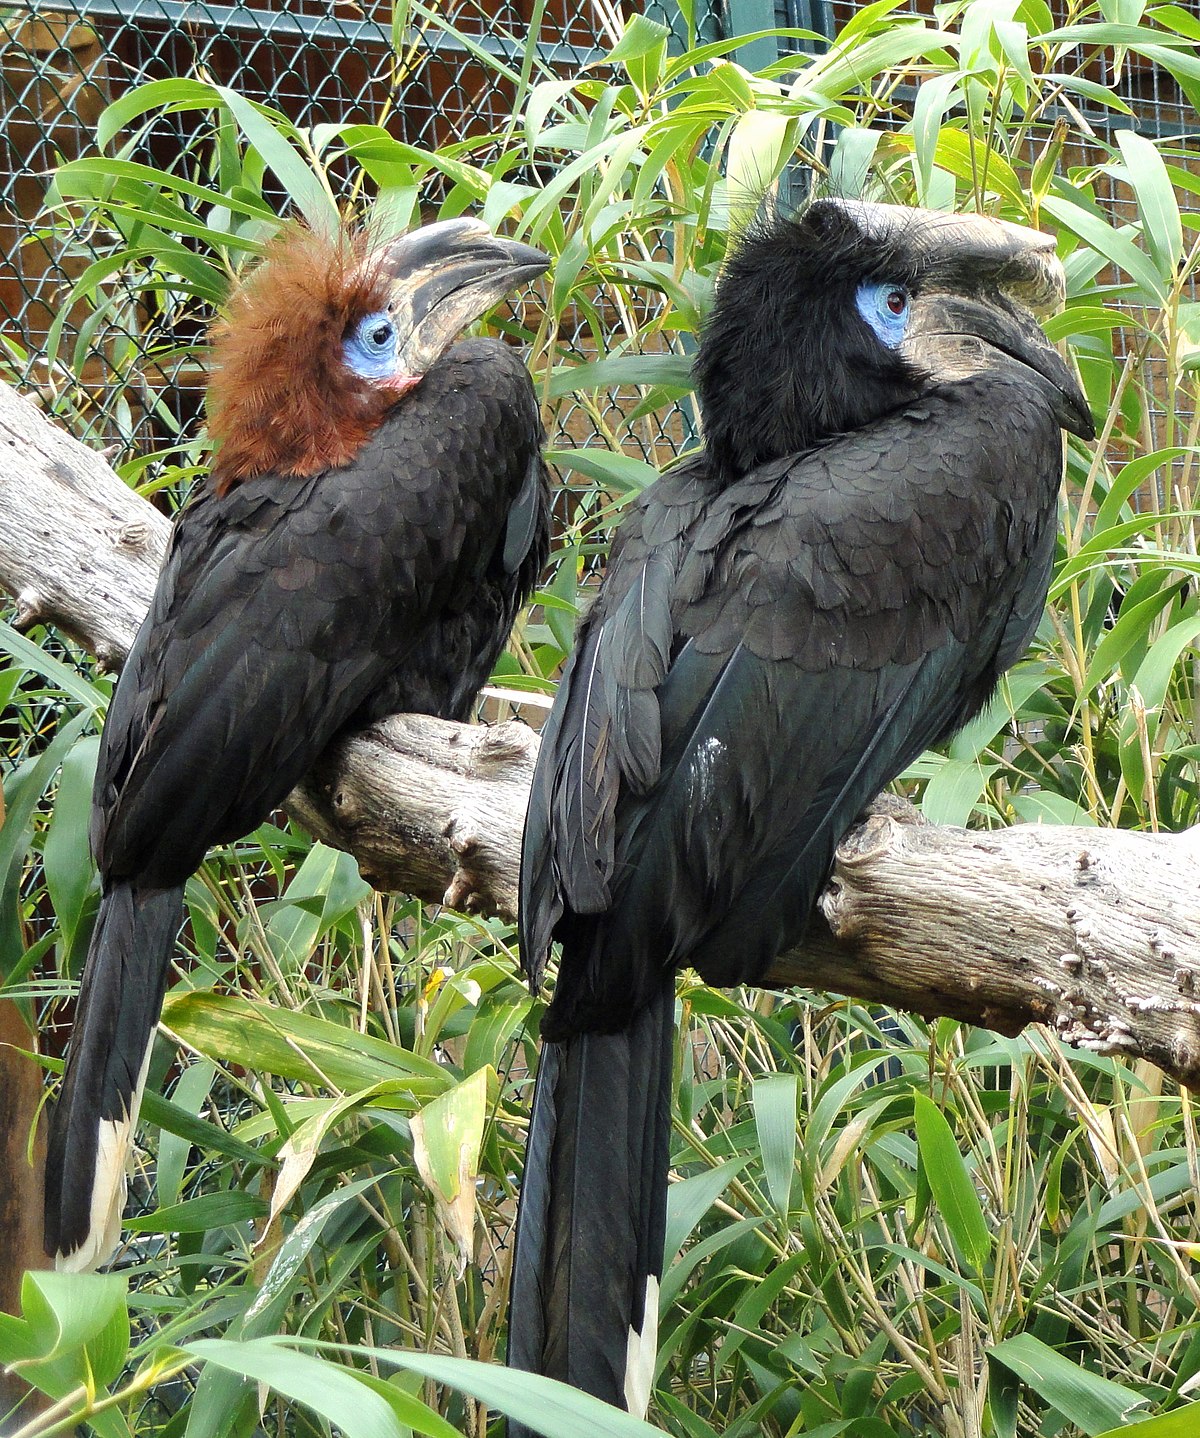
{"x":369,"y":347}
{"x":885,"y":309}
{"x":376,"y":333}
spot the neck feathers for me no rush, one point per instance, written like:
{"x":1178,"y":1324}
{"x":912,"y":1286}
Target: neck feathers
{"x":281,"y":399}
{"x":785,"y":362}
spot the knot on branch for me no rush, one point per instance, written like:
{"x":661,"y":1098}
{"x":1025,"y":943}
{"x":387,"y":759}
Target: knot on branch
{"x":502,"y":746}
{"x":132,"y":537}
{"x":30,"y":610}
{"x":480,"y":884}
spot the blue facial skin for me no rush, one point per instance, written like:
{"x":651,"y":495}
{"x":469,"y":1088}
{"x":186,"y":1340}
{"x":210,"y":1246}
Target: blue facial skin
{"x":370,"y":348}
{"x":885,"y":309}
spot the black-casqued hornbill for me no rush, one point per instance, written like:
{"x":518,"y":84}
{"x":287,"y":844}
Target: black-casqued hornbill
{"x":836,"y":583}
{"x":376,"y":515}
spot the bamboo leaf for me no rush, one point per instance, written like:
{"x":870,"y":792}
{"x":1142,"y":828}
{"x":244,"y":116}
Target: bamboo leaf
{"x":306,"y":190}
{"x":298,"y":1046}
{"x":951,"y":1184}
{"x":774,"y":1098}
{"x":1095,"y":1404}
{"x":1157,"y":205}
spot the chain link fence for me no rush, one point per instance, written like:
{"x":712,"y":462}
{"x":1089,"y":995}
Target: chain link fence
{"x":127,"y":377}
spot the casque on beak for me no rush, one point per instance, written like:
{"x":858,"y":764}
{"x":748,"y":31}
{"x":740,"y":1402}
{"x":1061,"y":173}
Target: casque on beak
{"x":442,"y":278}
{"x":986,"y":284}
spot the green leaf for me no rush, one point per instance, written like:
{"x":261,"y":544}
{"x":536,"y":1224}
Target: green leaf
{"x":165,"y":95}
{"x":1093,"y":1403}
{"x":1043,"y":807}
{"x":305,"y":188}
{"x":198,"y":1215}
{"x":1128,"y":481}
{"x":66,"y":853}
{"x":669,"y":371}
{"x":1157,"y":205}
{"x":640,"y":37}
{"x":1182,"y":1423}
{"x":642,"y":49}
{"x":1151,"y":681}
{"x":1187,"y":336}
{"x":759,"y":145}
{"x":298,"y":1046}
{"x":408,"y":1408}
{"x":194,"y":1086}
{"x":172,"y":1119}
{"x":325,"y":888}
{"x":1133,"y":626}
{"x":934,"y":98}
{"x":1015,"y":690}
{"x":1154,"y":673}
{"x":774,"y":1098}
{"x":447,"y":1137}
{"x":749,"y":1312}
{"x":608,"y":467}
{"x":690,"y":1199}
{"x":952,"y":794}
{"x":330,"y":1389}
{"x":677,"y":1273}
{"x":850,"y":163}
{"x":61,"y":675}
{"x":1106,"y":241}
{"x":950,"y":1183}
{"x":67,"y":1311}
{"x":22,"y":791}
{"x":268,"y":1309}
{"x":546,"y":1406}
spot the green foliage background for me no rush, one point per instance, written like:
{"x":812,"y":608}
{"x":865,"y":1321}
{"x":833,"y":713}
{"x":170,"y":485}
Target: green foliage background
{"x":875,"y":1230}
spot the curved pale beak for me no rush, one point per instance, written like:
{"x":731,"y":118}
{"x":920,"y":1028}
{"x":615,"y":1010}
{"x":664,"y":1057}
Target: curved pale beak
{"x":443,"y":277}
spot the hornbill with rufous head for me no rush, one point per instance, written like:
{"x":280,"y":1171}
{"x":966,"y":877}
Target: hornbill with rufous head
{"x":834,"y":584}
{"x":376,"y":515}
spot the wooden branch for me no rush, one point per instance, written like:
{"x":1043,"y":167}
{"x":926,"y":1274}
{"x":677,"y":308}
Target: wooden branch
{"x":1093,"y":932}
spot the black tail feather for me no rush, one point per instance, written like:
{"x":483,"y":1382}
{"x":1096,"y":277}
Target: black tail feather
{"x":592,"y":1215}
{"x":92,"y":1127}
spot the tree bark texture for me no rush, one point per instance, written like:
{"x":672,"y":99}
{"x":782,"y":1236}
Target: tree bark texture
{"x":1095,"y":933}
{"x":20,"y":1170}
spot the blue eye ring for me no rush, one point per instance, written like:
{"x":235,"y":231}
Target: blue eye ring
{"x":369,"y":348}
{"x":885,"y":307}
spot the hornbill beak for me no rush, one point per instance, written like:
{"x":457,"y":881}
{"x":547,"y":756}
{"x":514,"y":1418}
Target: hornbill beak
{"x":952,"y":334}
{"x":442,"y":278}
{"x":984,"y":285}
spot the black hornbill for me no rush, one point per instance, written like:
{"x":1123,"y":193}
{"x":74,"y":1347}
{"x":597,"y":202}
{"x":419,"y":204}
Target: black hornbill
{"x":376,"y":515}
{"x":836,"y":583}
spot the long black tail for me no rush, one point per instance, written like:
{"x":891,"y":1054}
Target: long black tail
{"x":592,"y":1215}
{"x":92,"y":1128}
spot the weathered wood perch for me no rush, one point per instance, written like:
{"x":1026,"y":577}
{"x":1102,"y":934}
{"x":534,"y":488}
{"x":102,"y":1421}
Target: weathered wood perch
{"x":1095,"y":933}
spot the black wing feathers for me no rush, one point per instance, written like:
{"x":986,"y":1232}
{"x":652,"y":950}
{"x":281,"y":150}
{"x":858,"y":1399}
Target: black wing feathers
{"x":286,"y":610}
{"x":830,"y":616}
{"x":289,"y":608}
